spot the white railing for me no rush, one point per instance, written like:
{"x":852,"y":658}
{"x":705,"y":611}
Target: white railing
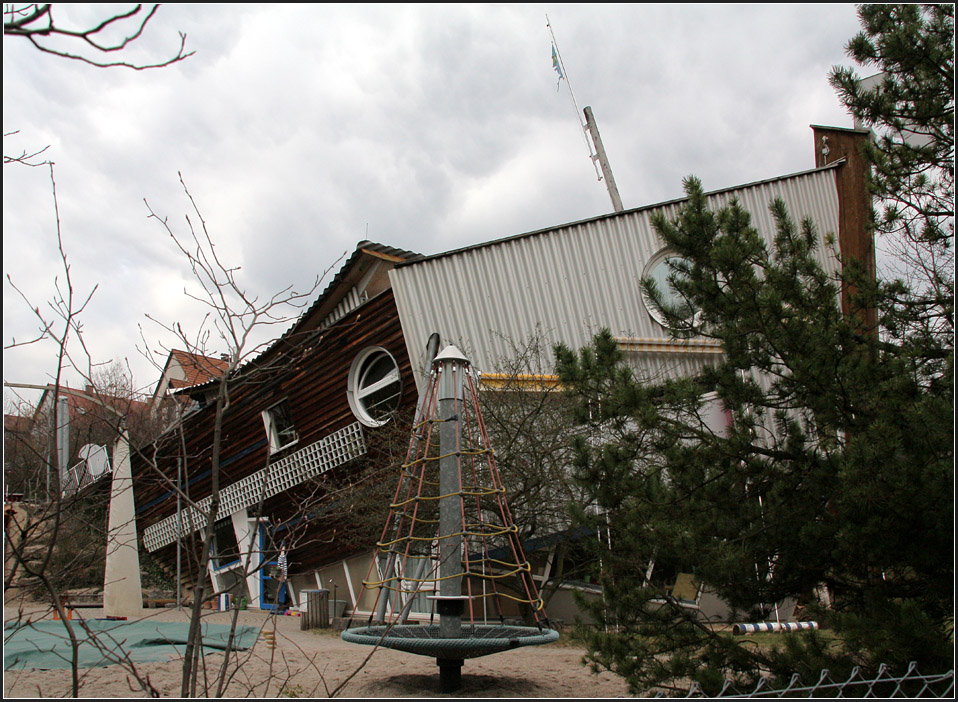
{"x":332,"y":450}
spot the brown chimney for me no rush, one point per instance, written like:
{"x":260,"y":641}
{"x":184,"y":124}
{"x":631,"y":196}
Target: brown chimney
{"x":855,"y":236}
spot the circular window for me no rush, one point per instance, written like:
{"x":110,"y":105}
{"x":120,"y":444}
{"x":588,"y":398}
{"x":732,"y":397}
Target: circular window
{"x":661,"y":272}
{"x":374,"y":388}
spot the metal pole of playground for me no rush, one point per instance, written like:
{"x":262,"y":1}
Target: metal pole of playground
{"x":450,"y":601}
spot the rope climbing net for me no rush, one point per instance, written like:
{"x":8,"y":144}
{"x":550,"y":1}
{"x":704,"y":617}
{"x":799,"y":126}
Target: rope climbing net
{"x":450,"y":469}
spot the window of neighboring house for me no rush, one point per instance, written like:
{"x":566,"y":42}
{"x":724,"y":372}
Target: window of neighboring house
{"x":279,"y":427}
{"x":374,"y":387}
{"x":224,"y":550}
{"x":661,"y":271}
{"x":668,"y":578}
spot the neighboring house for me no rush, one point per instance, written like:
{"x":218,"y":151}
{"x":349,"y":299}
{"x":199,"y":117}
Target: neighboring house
{"x":20,"y":459}
{"x":94,"y":418}
{"x":316,"y":405}
{"x":184,"y":369}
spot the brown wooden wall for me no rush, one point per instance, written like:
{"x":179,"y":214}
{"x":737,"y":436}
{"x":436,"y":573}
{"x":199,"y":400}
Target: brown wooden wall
{"x":311,"y":373}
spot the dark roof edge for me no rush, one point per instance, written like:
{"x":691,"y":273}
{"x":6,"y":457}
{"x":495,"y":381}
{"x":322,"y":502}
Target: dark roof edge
{"x":612,"y":215}
{"x":852,"y":130}
{"x":363,"y":248}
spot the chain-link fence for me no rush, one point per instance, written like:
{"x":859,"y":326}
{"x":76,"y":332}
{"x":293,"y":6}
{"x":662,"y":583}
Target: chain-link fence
{"x":883,"y":685}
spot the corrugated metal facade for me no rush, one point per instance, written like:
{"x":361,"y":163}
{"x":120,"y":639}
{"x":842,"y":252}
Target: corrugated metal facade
{"x":571,"y":281}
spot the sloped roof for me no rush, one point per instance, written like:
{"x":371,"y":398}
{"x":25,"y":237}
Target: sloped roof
{"x":198,"y":369}
{"x":563,"y":283}
{"x":346,"y":277}
{"x":618,"y":215}
{"x":337,"y":290}
{"x":90,"y":401}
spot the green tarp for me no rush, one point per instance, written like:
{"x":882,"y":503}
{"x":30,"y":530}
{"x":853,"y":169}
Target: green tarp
{"x":46,"y":644}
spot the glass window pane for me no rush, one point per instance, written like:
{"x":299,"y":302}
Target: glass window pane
{"x":661,"y":272}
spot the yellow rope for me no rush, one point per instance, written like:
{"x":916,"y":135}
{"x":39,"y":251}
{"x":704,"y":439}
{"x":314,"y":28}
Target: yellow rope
{"x":485,"y":492}
{"x":515,"y":569}
{"x":499,"y":531}
{"x":381,"y":583}
{"x":461,"y":452}
{"x":480,"y":525}
{"x":406,"y":538}
{"x":506,"y":564}
{"x":537,"y":604}
{"x":414,"y":556}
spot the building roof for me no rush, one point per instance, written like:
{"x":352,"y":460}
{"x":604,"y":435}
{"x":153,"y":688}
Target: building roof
{"x":197,"y":368}
{"x":185,"y":369}
{"x":618,"y":215}
{"x":343,"y":292}
{"x":91,"y":401}
{"x":564,"y":283}
{"x":348,"y":275}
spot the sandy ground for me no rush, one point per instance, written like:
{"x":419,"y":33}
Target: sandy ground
{"x":315,"y":663}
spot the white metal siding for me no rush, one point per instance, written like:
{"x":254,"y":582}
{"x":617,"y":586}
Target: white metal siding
{"x":574,"y":280}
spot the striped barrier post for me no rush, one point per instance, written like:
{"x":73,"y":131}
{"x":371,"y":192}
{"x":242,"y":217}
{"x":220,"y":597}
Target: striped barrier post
{"x":744,"y":629}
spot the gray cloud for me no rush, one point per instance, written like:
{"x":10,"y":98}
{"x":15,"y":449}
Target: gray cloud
{"x":297,"y":127}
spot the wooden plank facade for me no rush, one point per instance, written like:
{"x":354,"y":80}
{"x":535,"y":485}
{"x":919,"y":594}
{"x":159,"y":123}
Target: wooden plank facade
{"x":306,"y":374}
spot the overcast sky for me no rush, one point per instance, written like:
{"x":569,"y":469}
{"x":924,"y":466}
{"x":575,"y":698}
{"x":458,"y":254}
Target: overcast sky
{"x":301,"y":130}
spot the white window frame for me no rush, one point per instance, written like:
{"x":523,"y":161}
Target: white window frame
{"x":271,"y":420}
{"x":653,"y":309}
{"x":217,"y":548}
{"x":356,"y":394}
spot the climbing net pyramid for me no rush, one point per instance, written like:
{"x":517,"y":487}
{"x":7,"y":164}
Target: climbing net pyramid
{"x":450,"y":546}
{"x":450,"y":505}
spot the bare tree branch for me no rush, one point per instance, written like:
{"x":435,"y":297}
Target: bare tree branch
{"x":25,"y":159}
{"x":63,"y":304}
{"x":34,"y":22}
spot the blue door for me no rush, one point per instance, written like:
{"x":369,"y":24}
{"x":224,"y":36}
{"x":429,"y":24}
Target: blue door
{"x":272,"y":590}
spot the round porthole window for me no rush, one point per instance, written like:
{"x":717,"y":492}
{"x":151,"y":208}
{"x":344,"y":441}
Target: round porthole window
{"x":661,"y":271}
{"x":375,"y":388}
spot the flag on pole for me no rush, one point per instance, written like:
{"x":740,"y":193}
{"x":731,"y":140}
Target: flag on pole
{"x":556,"y":65}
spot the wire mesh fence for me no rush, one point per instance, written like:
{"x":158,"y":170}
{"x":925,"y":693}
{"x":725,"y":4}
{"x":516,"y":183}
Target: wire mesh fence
{"x":882,"y":686}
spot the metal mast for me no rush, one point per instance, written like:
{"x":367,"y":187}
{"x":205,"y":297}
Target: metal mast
{"x":590,"y":128}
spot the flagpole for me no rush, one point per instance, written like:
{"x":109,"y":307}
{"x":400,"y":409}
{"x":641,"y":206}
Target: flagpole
{"x":561,"y":70}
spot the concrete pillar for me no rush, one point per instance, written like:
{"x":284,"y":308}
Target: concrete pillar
{"x":122,"y":589}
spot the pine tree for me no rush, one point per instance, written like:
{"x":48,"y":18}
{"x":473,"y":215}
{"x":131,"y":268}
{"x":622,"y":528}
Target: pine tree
{"x":838,"y":466}
{"x":837,"y":469}
{"x":911,"y":104}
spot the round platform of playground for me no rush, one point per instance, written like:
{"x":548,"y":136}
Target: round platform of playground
{"x":474,"y":640}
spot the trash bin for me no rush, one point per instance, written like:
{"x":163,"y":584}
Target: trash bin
{"x":317,"y":610}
